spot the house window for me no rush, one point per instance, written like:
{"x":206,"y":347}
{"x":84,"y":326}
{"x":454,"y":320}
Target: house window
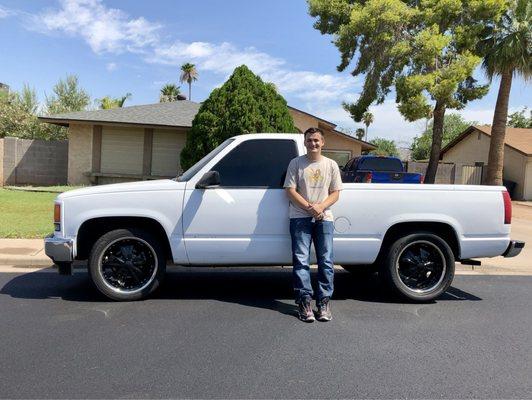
{"x":340,"y":156}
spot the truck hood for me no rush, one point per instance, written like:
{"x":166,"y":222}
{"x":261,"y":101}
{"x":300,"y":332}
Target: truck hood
{"x":143,"y":186}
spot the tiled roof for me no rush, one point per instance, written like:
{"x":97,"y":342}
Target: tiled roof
{"x":176,"y":113}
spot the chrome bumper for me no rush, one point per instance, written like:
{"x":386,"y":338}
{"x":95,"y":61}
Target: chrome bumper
{"x":58,"y":249}
{"x":514,"y":248}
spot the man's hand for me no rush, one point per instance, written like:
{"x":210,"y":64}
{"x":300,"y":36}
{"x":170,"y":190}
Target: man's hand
{"x":315,"y":209}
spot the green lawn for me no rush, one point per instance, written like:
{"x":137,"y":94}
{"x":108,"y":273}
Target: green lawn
{"x":27,"y":214}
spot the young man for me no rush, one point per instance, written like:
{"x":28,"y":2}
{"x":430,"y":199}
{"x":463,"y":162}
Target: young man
{"x":313,"y":185}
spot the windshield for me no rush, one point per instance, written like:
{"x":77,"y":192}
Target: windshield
{"x":381,"y":164}
{"x":189,"y":173}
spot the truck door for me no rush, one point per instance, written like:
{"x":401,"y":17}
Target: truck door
{"x":245,"y":219}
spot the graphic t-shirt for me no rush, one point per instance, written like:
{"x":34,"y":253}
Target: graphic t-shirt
{"x":313,"y":180}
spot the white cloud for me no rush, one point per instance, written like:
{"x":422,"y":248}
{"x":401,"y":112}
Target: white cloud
{"x":5,"y":12}
{"x":220,"y":58}
{"x":104,"y":29}
{"x":111,"y":66}
{"x":307,"y":86}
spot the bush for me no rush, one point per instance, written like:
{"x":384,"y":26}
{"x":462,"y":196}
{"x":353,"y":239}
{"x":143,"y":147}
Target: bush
{"x":244,"y":104}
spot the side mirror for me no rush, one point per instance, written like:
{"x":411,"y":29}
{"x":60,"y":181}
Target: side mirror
{"x":210,"y":180}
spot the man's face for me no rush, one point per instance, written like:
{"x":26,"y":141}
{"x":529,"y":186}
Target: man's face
{"x":314,"y":142}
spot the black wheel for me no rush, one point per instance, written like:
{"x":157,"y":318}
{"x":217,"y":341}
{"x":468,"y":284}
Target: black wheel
{"x":419,"y":266}
{"x":127,"y":264}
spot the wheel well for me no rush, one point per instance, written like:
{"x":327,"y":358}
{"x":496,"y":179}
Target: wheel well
{"x":91,"y":230}
{"x":443,"y":230}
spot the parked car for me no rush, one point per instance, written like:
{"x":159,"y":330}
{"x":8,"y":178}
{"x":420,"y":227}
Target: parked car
{"x":231,"y":209}
{"x":378,"y":169}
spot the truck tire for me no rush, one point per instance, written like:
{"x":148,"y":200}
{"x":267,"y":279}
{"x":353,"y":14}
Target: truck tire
{"x":127,"y":264}
{"x":419,"y":266}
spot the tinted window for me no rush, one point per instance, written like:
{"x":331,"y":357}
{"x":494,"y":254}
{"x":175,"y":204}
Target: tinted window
{"x":201,"y":163}
{"x":381,"y":164}
{"x":258,"y":162}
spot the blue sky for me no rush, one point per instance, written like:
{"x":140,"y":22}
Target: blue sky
{"x":115,"y":47}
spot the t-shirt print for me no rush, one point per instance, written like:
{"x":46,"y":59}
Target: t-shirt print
{"x":315,"y":177}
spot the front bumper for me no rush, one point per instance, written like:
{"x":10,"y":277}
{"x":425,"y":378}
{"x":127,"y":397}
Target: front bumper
{"x":514,"y":248}
{"x":58,"y":249}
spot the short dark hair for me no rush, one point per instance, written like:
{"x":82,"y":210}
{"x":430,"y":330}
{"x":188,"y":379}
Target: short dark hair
{"x":310,"y":131}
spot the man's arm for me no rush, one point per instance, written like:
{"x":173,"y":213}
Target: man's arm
{"x":318,"y":208}
{"x":296,"y":198}
{"x":299,"y":200}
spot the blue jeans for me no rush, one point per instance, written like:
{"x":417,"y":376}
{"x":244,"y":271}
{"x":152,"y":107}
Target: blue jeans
{"x":303,"y":232}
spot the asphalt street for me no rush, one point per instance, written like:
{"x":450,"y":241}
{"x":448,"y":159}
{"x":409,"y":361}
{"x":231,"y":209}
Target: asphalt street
{"x":232,"y":333}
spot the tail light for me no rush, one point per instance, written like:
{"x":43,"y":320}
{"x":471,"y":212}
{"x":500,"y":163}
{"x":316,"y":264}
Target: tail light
{"x":422,"y":179}
{"x":507,"y":207}
{"x":367,"y":178}
{"x":57,"y":217}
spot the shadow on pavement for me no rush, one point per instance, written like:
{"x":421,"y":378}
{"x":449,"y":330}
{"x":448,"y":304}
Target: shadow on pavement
{"x":254,"y":287}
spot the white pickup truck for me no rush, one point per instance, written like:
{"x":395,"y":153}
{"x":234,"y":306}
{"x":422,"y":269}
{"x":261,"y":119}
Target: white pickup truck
{"x":230,"y":209}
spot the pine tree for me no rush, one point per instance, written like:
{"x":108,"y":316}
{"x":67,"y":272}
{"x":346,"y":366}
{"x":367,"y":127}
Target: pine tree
{"x":243,"y":104}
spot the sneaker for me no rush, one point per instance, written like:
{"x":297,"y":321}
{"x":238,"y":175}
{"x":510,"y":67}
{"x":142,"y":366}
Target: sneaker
{"x":324,"y":310}
{"x":304,"y":311}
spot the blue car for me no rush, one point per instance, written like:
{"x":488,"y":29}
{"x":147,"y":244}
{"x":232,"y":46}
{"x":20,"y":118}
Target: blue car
{"x":378,"y":169}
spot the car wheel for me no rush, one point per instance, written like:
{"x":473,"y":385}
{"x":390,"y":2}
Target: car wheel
{"x":419,"y":266}
{"x":127,"y":264}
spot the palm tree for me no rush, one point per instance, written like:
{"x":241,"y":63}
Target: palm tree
{"x":507,"y":52}
{"x":189,"y":74}
{"x":360,"y":133}
{"x":108,"y":102}
{"x":169,"y":92}
{"x":367,"y":119}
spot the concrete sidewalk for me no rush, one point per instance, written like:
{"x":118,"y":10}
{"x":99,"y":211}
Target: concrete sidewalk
{"x":23,"y":252}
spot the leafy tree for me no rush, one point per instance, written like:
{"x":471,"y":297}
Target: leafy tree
{"x":453,"y":125}
{"x":243,"y":104}
{"x":18,"y":119}
{"x":519,"y":119}
{"x":507,"y":50}
{"x":425,"y":48}
{"x":385,"y":147}
{"x":367,"y":119}
{"x":108,"y":102}
{"x":169,"y":93}
{"x":67,"y":97}
{"x":27,"y":99}
{"x":360,"y":133}
{"x":189,"y":74}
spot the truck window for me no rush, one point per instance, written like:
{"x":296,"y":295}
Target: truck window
{"x":189,"y":173}
{"x":257,"y":163}
{"x":381,"y":164}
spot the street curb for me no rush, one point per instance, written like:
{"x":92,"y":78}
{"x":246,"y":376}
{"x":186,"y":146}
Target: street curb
{"x":28,"y":262}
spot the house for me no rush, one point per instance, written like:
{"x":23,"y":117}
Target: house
{"x":144,"y":142}
{"x":469,"y":151}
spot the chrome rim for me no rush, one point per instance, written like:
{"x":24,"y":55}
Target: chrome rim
{"x":421,"y":266}
{"x":128,"y":265}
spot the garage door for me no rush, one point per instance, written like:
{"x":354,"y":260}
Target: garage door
{"x":167,"y":146}
{"x":122,"y":150}
{"x":528,"y":182}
